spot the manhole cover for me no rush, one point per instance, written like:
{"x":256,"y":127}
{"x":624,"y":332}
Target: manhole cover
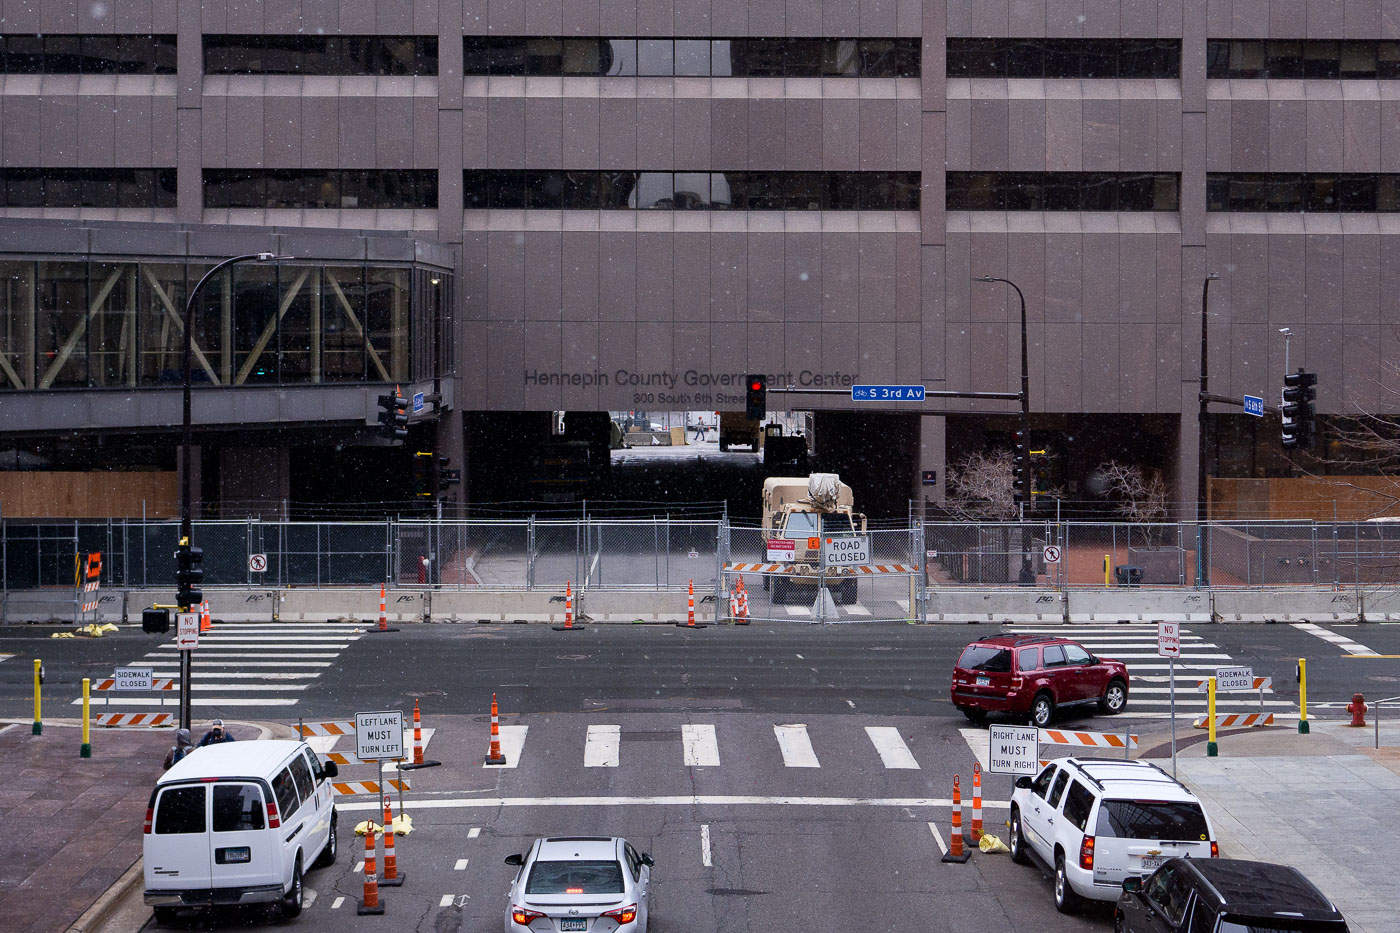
{"x":572,"y":657}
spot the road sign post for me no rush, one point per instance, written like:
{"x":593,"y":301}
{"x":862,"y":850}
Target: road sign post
{"x":1169,"y":647}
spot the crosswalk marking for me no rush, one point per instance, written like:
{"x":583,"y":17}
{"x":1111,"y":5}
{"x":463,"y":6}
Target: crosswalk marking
{"x":891,"y":748}
{"x":5,"y":657}
{"x":701,"y":750}
{"x":602,"y":747}
{"x":241,"y":664}
{"x":796,"y":746}
{"x":1341,"y":641}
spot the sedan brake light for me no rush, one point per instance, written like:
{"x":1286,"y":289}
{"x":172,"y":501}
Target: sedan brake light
{"x":622,"y":914}
{"x":523,"y":915}
{"x":1086,"y":853}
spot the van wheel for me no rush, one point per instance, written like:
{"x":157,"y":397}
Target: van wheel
{"x":1114,"y":699}
{"x":327,"y":856}
{"x":1042,"y":710}
{"x":291,"y":901}
{"x":1017,"y":843}
{"x":1066,"y":901}
{"x":165,"y":916}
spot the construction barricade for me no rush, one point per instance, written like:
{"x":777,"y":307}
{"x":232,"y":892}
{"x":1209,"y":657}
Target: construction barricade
{"x":1065,"y":738}
{"x":137,"y":680}
{"x":323,"y":736}
{"x":1230,"y":720}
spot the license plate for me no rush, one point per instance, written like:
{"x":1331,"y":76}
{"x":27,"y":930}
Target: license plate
{"x":573,"y":924}
{"x":984,"y":681}
{"x":1152,"y":862}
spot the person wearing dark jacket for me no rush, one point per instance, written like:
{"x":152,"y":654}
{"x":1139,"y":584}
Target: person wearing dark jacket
{"x":216,"y":734}
{"x":182,"y":747}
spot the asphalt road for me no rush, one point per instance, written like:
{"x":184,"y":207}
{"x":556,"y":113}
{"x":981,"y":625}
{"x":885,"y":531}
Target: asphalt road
{"x":846,"y":844}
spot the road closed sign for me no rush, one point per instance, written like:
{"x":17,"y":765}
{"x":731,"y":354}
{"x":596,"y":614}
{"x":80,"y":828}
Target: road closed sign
{"x":379,"y":736}
{"x":845,"y":552}
{"x":1014,"y":749}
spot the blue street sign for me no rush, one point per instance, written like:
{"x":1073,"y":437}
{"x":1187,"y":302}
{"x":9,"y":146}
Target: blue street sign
{"x":887,"y":393}
{"x":417,"y":402}
{"x":1254,"y":405}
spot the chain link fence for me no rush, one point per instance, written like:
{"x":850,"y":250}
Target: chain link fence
{"x":669,"y":554}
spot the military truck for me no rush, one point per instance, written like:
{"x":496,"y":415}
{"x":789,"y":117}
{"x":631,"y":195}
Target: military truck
{"x":806,"y":510}
{"x":736,"y":427}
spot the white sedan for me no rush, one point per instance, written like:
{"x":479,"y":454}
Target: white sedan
{"x":588,"y":884}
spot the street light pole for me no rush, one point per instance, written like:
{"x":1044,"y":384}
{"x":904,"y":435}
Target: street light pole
{"x":1202,"y":429}
{"x":1025,"y":411}
{"x":185,"y":441}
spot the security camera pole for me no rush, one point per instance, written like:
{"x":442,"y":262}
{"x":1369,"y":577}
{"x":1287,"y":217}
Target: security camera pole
{"x":188,"y":576}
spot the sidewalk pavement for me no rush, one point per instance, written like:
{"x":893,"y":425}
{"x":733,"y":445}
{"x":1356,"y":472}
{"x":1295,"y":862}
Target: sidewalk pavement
{"x":75,"y":823}
{"x":1324,"y":803}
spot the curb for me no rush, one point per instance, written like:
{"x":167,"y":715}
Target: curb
{"x":96,"y":916}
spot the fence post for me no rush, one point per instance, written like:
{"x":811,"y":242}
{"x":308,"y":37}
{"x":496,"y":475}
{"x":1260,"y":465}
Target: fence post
{"x":530,"y":545}
{"x":720,"y":529}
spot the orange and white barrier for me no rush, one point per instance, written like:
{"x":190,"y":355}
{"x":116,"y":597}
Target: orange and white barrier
{"x":976,"y":803}
{"x":357,"y":788}
{"x":1260,"y":683}
{"x":417,"y":735}
{"x":392,"y":878}
{"x":383,"y":611}
{"x":370,"y":904}
{"x":743,"y":615}
{"x":568,"y":604}
{"x":335,"y":727}
{"x":494,"y":756}
{"x":1229,"y":720}
{"x":1088,"y":739}
{"x":149,"y":720}
{"x":160,"y":683}
{"x":863,"y":569}
{"x":690,"y":607}
{"x":955,"y":841}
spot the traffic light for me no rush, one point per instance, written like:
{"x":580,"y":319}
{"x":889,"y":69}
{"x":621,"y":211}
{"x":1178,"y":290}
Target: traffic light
{"x":393,"y":416}
{"x":442,"y":476}
{"x":1040,"y":472}
{"x":155,"y":621}
{"x":422,"y":478}
{"x":756,"y":400}
{"x":1019,"y":467}
{"x":189,"y":576}
{"x":1297,"y":410}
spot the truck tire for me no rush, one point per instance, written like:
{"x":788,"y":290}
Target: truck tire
{"x":723,"y":444}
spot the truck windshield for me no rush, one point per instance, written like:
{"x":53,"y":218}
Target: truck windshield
{"x":803,"y":524}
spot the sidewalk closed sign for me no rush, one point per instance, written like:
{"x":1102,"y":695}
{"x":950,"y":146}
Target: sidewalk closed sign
{"x":132,"y":678}
{"x":1234,"y":678}
{"x":1013,"y":750}
{"x":379,"y":736}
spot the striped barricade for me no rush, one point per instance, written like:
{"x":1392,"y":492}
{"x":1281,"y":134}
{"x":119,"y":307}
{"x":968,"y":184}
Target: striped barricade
{"x":854,"y":570}
{"x":1124,"y":742}
{"x":353,"y":788}
{"x":333,"y":730}
{"x":159,"y":686}
{"x":1229,"y":720}
{"x":336,"y":727}
{"x":1260,"y":683}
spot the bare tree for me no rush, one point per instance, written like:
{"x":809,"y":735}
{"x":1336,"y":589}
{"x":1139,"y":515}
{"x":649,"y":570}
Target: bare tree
{"x":1141,"y":498}
{"x":979,"y":487}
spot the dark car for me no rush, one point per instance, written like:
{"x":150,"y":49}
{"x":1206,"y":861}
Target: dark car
{"x":1189,"y":895}
{"x":1031,"y":675}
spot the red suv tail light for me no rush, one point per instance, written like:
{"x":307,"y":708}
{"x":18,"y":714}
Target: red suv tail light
{"x":1086,"y":853}
{"x":523,"y":916}
{"x":622,"y":914}
{"x":150,"y":818}
{"x":1016,"y":683}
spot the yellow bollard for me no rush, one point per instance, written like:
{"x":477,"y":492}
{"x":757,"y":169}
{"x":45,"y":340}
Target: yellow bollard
{"x":1212,"y":750}
{"x":1107,"y":566}
{"x":38,"y":715}
{"x":1302,"y":696}
{"x":86,"y":750}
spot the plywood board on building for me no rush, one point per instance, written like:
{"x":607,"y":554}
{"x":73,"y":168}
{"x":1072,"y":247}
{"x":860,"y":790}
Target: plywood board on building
{"x":106,"y":494}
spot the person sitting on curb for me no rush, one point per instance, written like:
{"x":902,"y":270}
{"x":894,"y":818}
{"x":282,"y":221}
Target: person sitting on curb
{"x":216,"y":734}
{"x":181,"y":748}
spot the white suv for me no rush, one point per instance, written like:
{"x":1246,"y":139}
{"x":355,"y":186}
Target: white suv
{"x":1094,"y":822}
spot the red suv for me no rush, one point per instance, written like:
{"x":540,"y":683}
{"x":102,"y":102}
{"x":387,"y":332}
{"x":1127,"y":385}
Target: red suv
{"x":1031,"y":675}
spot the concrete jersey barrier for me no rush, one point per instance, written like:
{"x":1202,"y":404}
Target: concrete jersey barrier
{"x":995,"y":606}
{"x":1140,"y":605}
{"x":359,"y":604}
{"x":510,"y":606}
{"x":1381,"y":605}
{"x":624,"y":606}
{"x":1286,"y":606}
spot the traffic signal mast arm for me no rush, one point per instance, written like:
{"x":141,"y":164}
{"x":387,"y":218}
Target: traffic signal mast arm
{"x":1238,"y":403}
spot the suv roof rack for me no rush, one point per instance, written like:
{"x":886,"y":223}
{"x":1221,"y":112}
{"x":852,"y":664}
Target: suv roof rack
{"x":1117,"y":762}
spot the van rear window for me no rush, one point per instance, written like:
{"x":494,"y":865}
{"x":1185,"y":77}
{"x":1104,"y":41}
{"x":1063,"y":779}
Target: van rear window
{"x":237,"y":808}
{"x":1152,"y":819}
{"x":985,"y":658}
{"x":180,"y":810}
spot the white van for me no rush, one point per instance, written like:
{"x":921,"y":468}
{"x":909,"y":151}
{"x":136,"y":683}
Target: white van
{"x":237,"y":823}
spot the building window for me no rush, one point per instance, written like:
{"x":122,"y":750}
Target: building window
{"x":321,"y":55}
{"x":1313,"y":192}
{"x":1062,"y":191}
{"x":740,"y":191}
{"x":124,"y":54}
{"x":87,"y":187}
{"x":1064,"y":58}
{"x":740,"y":58}
{"x":321,"y":188}
{"x":1302,"y":58}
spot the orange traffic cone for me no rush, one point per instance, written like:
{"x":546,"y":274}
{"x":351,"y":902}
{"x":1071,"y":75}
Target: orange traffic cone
{"x":976,"y":802}
{"x":743,"y":603}
{"x":392,"y":878}
{"x":955,"y":841}
{"x":204,"y":624}
{"x":690,"y":608}
{"x":568,"y":625}
{"x":370,"y":904}
{"x":494,"y":756}
{"x":417,"y":735}
{"x":383,"y":613}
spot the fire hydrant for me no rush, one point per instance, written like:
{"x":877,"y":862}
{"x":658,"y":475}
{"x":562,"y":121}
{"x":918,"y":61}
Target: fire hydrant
{"x":1357,"y":708}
